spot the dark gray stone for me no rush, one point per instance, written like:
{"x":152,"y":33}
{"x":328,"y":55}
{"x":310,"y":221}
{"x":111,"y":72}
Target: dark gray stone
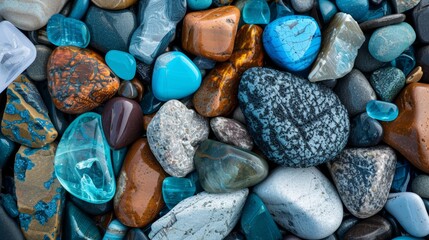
{"x":387,"y":82}
{"x":347,"y":223}
{"x":365,"y":131}
{"x":365,"y":61}
{"x":37,"y":70}
{"x":420,"y":185}
{"x":8,"y":227}
{"x":422,"y":59}
{"x":421,"y":19}
{"x":294,"y":122}
{"x":231,"y":132}
{"x":302,"y":6}
{"x":381,"y":22}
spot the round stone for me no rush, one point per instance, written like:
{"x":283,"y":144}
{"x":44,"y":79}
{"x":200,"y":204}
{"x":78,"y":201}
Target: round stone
{"x":420,"y":185}
{"x":357,"y":8}
{"x":37,"y":70}
{"x":387,"y":82}
{"x":302,"y":6}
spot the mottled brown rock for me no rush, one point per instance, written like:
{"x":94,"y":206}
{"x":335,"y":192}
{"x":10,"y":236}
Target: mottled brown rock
{"x":217,"y":95}
{"x":114,"y":4}
{"x":211,"y":33}
{"x":138,"y":198}
{"x":415,"y":75}
{"x":79,"y":80}
{"x":409,"y":133}
{"x":374,"y":227}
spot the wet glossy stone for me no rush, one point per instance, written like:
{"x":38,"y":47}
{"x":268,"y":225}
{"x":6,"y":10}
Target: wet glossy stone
{"x":279,"y":9}
{"x":415,"y":75}
{"x":293,"y":42}
{"x":256,"y":12}
{"x":199,"y":39}
{"x":79,"y":9}
{"x":118,"y":157}
{"x":327,"y":9}
{"x":378,"y":11}
{"x":149,"y":103}
{"x":115,"y":231}
{"x":365,"y":131}
{"x":91,"y":208}
{"x":342,"y":33}
{"x":136,"y":234}
{"x":420,"y":185}
{"x":122,"y":64}
{"x":37,"y":70}
{"x":382,"y":22}
{"x":84,"y":149}
{"x":232,"y":132}
{"x":78,"y":80}
{"x":387,"y":82}
{"x":127,"y":90}
{"x":117,"y":25}
{"x":375,"y":227}
{"x":408,"y":134}
{"x":256,"y":221}
{"x":78,"y":226}
{"x":364,"y":193}
{"x":314,"y":207}
{"x":25,"y":118}
{"x":406,"y":61}
{"x":9,"y":229}
{"x":365,"y":62}
{"x":122,"y":119}
{"x":114,"y":4}
{"x":40,"y":196}
{"x":158,"y":20}
{"x":217,"y":95}
{"x":404,"y":5}
{"x":138,"y":198}
{"x":175,"y":149}
{"x":348,"y":222}
{"x":144,"y":73}
{"x":383,"y":111}
{"x":224,"y":168}
{"x":387,"y":43}
{"x":64,"y":31}
{"x":174,"y":190}
{"x":402,"y":176}
{"x":325,"y":121}
{"x":197,"y":217}
{"x":420,"y":16}
{"x":357,"y":9}
{"x":6,"y":148}
{"x":175,"y":76}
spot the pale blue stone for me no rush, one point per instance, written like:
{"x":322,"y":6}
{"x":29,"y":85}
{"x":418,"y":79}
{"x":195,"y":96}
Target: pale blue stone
{"x":327,"y":10}
{"x":383,"y":111}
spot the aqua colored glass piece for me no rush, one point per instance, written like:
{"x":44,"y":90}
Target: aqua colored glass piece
{"x":327,"y":10}
{"x":79,"y":9}
{"x":402,"y":176}
{"x":193,"y":176}
{"x":175,"y":189}
{"x":6,"y":149}
{"x":383,"y":111}
{"x":256,"y":12}
{"x":406,"y":61}
{"x":279,"y":9}
{"x":256,"y":221}
{"x":115,"y":231}
{"x":9,"y":205}
{"x":122,"y":64}
{"x":379,"y":11}
{"x":64,"y":31}
{"x":198,"y":4}
{"x":82,"y":161}
{"x":118,"y":157}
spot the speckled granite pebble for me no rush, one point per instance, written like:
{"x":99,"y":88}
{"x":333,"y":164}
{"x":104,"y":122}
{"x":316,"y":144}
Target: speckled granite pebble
{"x":232,"y":132}
{"x":387,"y":82}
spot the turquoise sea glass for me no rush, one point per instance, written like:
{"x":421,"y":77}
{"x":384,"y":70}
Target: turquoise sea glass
{"x":383,"y":111}
{"x":279,"y":9}
{"x":118,"y":157}
{"x":122,"y":64}
{"x":64,"y":31}
{"x":256,"y":12}
{"x":82,"y":161}
{"x":79,"y":9}
{"x":174,"y":190}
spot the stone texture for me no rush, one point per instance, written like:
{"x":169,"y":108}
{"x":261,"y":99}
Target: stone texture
{"x":382,"y":22}
{"x":365,"y":61}
{"x":302,"y":6}
{"x":78,"y":80}
{"x":387,"y":82}
{"x":421,"y":17}
{"x":114,"y":4}
{"x":37,"y":70}
{"x":138,"y":198}
{"x":363,"y":177}
{"x":365,"y":131}
{"x":401,"y":6}
{"x":358,"y":9}
{"x":375,"y":227}
{"x":300,"y":124}
{"x":415,"y":75}
{"x":420,"y":185}
{"x":115,"y":231}
{"x":174,"y":134}
{"x":343,"y":38}
{"x":303,"y":201}
{"x":203,"y":216}
{"x":77,"y":225}
{"x":9,"y":229}
{"x":231,"y":132}
{"x":217,"y":95}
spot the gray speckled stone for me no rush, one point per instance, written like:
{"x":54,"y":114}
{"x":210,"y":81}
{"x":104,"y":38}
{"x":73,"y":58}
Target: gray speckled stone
{"x":295,"y":123}
{"x":232,"y":132}
{"x":420,"y":185}
{"x":387,"y":82}
{"x":203,"y":216}
{"x":37,"y":70}
{"x":174,"y":134}
{"x":354,"y":92}
{"x":302,"y":6}
{"x":363,"y":177}
{"x":303,"y":201}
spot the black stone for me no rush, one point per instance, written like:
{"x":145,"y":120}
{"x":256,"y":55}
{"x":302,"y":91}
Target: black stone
{"x":8,"y":227}
{"x":422,"y":59}
{"x":374,"y":227}
{"x":144,"y":72}
{"x":365,"y":61}
{"x":381,"y":22}
{"x":37,"y":70}
{"x":365,"y":131}
{"x":92,"y":208}
{"x":347,"y":223}
{"x":421,"y":20}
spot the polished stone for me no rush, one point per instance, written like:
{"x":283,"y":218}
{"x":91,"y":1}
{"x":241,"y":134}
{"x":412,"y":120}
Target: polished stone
{"x":420,"y":16}
{"x":77,"y":225}
{"x":64,"y":31}
{"x":365,"y":62}
{"x":91,"y":208}
{"x":136,"y":234}
{"x":420,"y":185}
{"x":175,"y":190}
{"x":342,"y":33}
{"x":406,"y":61}
{"x":115,"y":231}
{"x":387,"y":82}
{"x":383,"y":111}
{"x":300,"y":124}
{"x":149,"y":103}
{"x":404,"y":5}
{"x":122,"y":64}
{"x":357,"y":8}
{"x":365,"y":131}
{"x":127,"y":90}
{"x":198,"y":4}
{"x":37,"y":70}
{"x":279,"y":9}
{"x":82,"y":161}
{"x":375,"y":227}
{"x":378,"y":11}
{"x":327,"y":9}
{"x":302,"y":6}
{"x":231,"y":132}
{"x":79,"y":9}
{"x":9,"y":229}
{"x":402,"y":176}
{"x":78,"y":79}
{"x":256,"y":12}
{"x":382,"y":22}
{"x":114,"y":4}
{"x":348,"y":222}
{"x":415,"y":75}
{"x":224,"y":168}
{"x":7,"y":147}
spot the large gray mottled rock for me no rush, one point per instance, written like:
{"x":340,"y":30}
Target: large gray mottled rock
{"x":363,"y":177}
{"x":232,"y":132}
{"x":174,"y":134}
{"x":303,"y":201}
{"x":203,"y":216}
{"x":295,"y":123}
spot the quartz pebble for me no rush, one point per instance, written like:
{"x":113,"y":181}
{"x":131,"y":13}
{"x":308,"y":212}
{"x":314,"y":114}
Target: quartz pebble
{"x":231,"y":132}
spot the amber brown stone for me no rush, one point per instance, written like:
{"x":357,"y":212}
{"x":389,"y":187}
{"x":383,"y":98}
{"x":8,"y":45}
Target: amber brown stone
{"x":147,"y":119}
{"x":415,"y":75}
{"x":140,"y":88}
{"x":211,"y":33}
{"x":78,"y":79}
{"x":217,"y":95}
{"x":409,"y":133}
{"x":114,"y":4}
{"x":138,"y":198}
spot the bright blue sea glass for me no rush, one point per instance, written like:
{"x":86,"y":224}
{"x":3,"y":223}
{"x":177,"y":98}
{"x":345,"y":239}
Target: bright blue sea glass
{"x":383,"y":111}
{"x":82,"y":161}
{"x":63,"y":31}
{"x":176,"y":189}
{"x":79,"y":9}
{"x":256,"y":12}
{"x":122,"y":64}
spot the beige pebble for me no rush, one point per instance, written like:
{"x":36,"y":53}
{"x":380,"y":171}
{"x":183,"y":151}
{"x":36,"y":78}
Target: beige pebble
{"x":415,"y":75}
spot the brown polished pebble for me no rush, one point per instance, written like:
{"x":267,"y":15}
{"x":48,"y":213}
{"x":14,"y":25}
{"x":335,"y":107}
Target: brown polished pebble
{"x":409,"y":133}
{"x":217,"y":95}
{"x":139,"y":87}
{"x":415,"y":75}
{"x":78,"y":79}
{"x":122,"y":121}
{"x":103,"y":221}
{"x":114,"y":4}
{"x":374,"y":227}
{"x":127,"y":90}
{"x":211,"y":33}
{"x":138,"y":198}
{"x":147,"y":119}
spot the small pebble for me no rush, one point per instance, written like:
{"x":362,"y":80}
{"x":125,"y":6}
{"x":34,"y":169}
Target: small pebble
{"x":415,"y":75}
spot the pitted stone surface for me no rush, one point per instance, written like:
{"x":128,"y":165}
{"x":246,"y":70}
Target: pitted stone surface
{"x":232,"y":132}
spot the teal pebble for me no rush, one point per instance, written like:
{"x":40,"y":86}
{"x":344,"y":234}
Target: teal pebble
{"x":199,"y":4}
{"x":9,"y":204}
{"x":122,"y":64}
{"x":118,"y":157}
{"x":79,"y":9}
{"x":6,"y":148}
{"x":115,"y":231}
{"x":256,"y":12}
{"x":279,"y":9}
{"x":77,"y":225}
{"x":174,"y":190}
{"x":63,"y":31}
{"x":357,"y":8}
{"x":379,"y":11}
{"x":402,"y":176}
{"x":383,"y":111}
{"x":327,"y":10}
{"x":406,"y":61}
{"x":387,"y":82}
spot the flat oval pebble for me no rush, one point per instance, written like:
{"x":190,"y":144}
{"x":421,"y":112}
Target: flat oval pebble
{"x":383,"y":111}
{"x":64,"y":31}
{"x":387,"y":82}
{"x":382,"y":22}
{"x":231,"y":132}
{"x":375,"y":227}
{"x":310,"y":209}
{"x":122,"y":64}
{"x":300,"y":124}
{"x":365,"y":131}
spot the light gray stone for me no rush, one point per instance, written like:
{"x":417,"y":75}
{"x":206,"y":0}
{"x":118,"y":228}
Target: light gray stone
{"x":174,"y":134}
{"x":303,"y":201}
{"x":302,"y":6}
{"x":231,"y":132}
{"x":203,"y":216}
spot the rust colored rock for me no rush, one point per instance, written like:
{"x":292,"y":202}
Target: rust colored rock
{"x":138,"y":198}
{"x":147,"y":119}
{"x":78,"y":79}
{"x":409,"y":133}
{"x":217,"y":95}
{"x":211,"y":33}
